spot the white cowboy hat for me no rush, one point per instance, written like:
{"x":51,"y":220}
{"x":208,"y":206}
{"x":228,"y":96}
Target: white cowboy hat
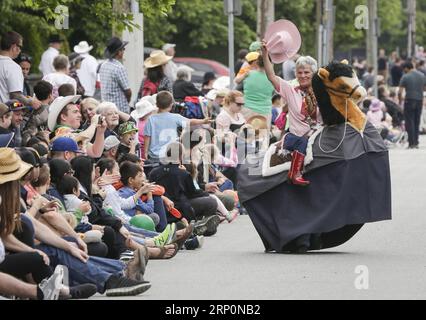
{"x":283,"y":40}
{"x":143,"y":108}
{"x":56,"y":107}
{"x":156,"y":58}
{"x":222,"y":83}
{"x":82,"y":47}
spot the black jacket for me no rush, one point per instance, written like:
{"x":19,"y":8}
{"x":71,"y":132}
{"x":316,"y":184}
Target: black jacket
{"x":177,"y":182}
{"x":182,"y":89}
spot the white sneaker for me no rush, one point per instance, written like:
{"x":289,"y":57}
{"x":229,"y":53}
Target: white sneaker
{"x":51,"y":287}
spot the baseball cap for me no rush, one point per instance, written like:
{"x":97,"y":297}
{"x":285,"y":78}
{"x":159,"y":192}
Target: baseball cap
{"x":15,"y":105}
{"x":127,"y":127}
{"x":256,"y":45}
{"x":167,"y":46}
{"x":111,"y":142}
{"x":62,"y":144}
{"x":252,"y":56}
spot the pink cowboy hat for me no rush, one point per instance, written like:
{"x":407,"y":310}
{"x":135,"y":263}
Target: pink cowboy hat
{"x":283,"y":40}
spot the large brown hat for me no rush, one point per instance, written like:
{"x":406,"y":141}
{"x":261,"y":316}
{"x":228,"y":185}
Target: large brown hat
{"x":157,"y":58}
{"x":11,"y":166}
{"x":258,"y":123}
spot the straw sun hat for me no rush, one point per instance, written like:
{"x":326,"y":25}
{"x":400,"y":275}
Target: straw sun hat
{"x":157,"y":58}
{"x":11,"y":166}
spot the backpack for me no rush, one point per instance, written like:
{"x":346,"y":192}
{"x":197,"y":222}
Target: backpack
{"x":192,"y":108}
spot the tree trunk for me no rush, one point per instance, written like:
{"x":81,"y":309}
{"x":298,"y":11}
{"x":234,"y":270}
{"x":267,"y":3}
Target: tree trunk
{"x":265,"y":16}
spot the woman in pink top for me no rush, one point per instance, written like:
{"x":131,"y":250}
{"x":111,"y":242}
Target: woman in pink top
{"x":303,"y":112}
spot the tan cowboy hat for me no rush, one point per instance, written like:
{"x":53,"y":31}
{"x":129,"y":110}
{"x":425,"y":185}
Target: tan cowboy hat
{"x":56,"y":107}
{"x":11,"y":166}
{"x":156,"y":58}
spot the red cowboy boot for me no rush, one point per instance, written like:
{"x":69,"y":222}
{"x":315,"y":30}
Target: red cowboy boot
{"x":295,"y":174}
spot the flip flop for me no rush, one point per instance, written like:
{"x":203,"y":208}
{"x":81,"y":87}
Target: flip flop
{"x":175,"y":213}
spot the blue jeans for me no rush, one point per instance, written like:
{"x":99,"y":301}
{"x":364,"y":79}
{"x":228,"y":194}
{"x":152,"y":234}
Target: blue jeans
{"x":161,"y":211}
{"x":227,"y":185}
{"x":295,"y":143}
{"x":96,"y":270}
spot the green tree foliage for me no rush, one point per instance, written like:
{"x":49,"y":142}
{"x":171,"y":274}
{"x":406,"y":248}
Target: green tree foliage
{"x":91,"y":20}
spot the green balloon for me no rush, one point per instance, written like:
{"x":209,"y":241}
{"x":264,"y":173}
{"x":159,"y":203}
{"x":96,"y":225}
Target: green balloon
{"x":143,"y":221}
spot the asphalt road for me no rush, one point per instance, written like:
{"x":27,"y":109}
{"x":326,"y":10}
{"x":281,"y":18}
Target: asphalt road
{"x":390,"y":257}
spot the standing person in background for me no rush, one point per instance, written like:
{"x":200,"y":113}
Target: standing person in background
{"x":25,"y":62}
{"x":289,"y":68}
{"x":396,"y":72}
{"x":155,"y":80}
{"x":11,"y":77}
{"x":75,"y":64}
{"x":115,"y":85}
{"x":60,"y":76}
{"x":87,"y":72}
{"x":258,"y":91}
{"x":382,"y":65}
{"x":170,"y":69}
{"x":241,"y":59}
{"x":414,"y":82}
{"x":46,"y":63}
{"x":208,"y":80}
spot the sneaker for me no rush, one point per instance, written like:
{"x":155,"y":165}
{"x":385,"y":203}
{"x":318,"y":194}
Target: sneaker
{"x":207,"y":226}
{"x":121,"y":286}
{"x":167,"y":236}
{"x":212,"y":223}
{"x":194,"y":243}
{"x":82,"y":291}
{"x":51,"y":287}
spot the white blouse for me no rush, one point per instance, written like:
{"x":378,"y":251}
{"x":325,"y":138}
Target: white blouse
{"x":1,"y":251}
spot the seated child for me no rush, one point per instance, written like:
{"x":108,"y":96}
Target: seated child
{"x":128,"y":141}
{"x":133,"y":179}
{"x":69,"y":188}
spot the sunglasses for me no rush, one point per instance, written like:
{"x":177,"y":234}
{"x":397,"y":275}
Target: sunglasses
{"x":70,"y":172}
{"x":239,"y":104}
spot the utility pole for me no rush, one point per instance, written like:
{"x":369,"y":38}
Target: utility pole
{"x":319,"y":28}
{"x":372,"y":39}
{"x":231,"y":42}
{"x":411,"y":27}
{"x":327,"y":47}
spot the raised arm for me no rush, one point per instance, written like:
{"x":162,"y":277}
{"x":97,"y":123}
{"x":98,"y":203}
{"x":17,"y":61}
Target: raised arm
{"x":269,"y":68}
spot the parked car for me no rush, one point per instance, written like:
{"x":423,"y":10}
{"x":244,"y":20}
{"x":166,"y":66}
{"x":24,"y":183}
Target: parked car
{"x":201,"y":66}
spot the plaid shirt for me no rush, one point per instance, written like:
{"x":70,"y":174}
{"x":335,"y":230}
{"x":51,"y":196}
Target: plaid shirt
{"x":114,"y":82}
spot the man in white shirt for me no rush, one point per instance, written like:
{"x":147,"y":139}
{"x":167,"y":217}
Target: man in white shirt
{"x":11,"y":77}
{"x":88,"y":69}
{"x":46,"y":63}
{"x":170,"y":69}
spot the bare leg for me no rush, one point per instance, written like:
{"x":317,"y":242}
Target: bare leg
{"x":15,"y":287}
